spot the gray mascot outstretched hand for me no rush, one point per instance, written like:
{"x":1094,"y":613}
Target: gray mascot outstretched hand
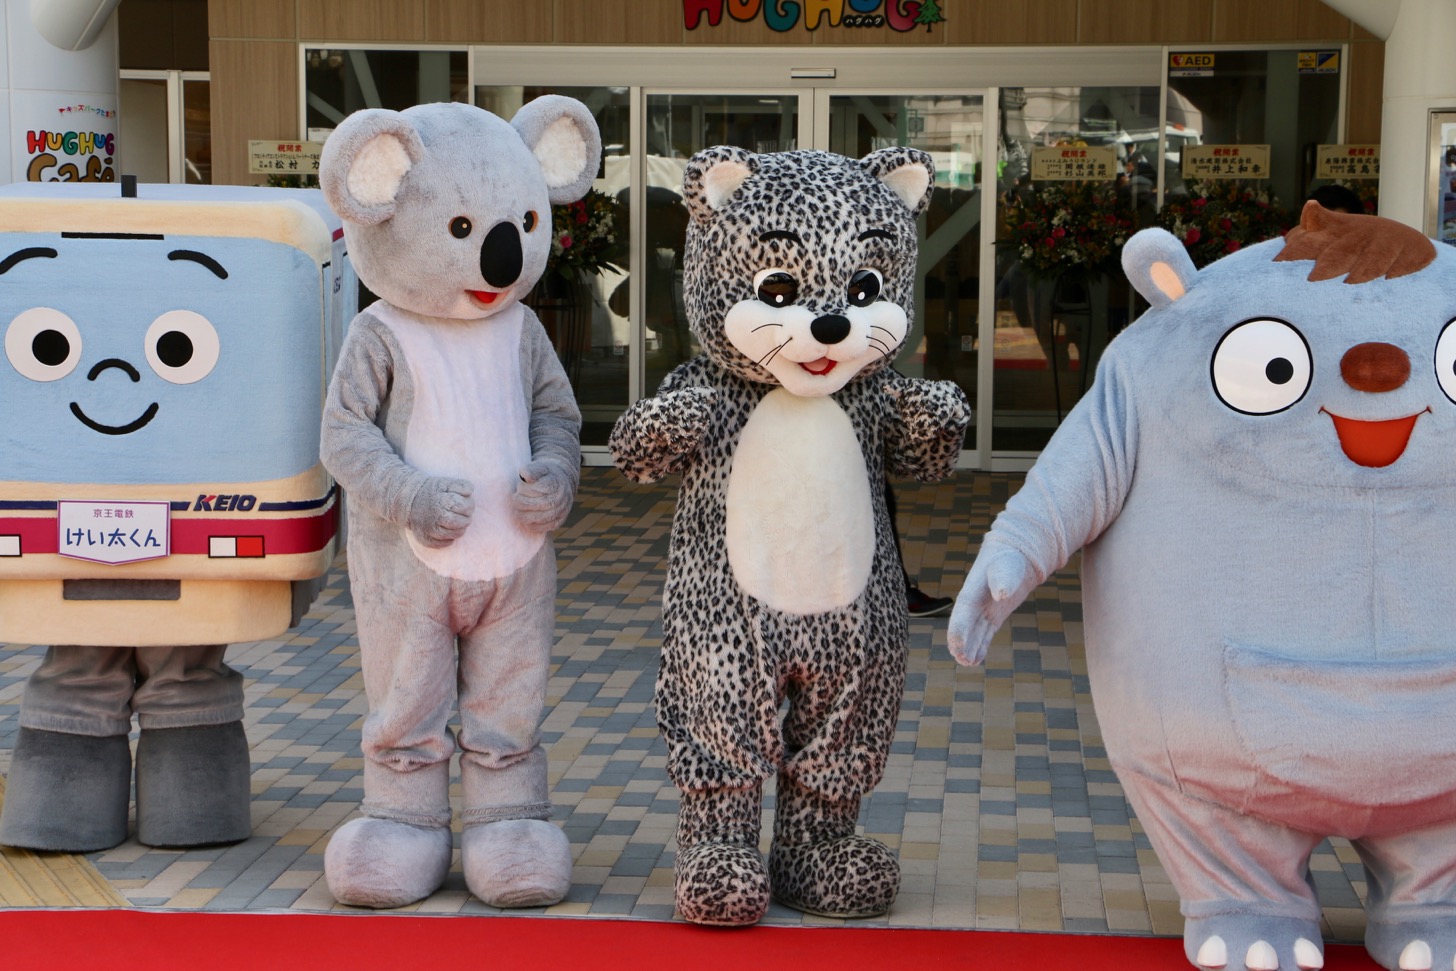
{"x":783,"y":580}
{"x":1261,"y":483}
{"x":452,"y":427}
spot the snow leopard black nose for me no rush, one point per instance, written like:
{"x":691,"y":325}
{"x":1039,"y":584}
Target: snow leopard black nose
{"x":830,"y":328}
{"x":500,"y":256}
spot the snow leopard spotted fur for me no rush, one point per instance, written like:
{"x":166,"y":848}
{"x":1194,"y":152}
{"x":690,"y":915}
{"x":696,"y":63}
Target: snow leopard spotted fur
{"x":783,"y":578}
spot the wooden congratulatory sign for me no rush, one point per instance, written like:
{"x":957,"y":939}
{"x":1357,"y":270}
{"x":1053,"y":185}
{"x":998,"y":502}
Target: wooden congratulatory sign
{"x":1347,"y":162}
{"x":1226,"y":161}
{"x":283,"y":158}
{"x":1067,"y":163}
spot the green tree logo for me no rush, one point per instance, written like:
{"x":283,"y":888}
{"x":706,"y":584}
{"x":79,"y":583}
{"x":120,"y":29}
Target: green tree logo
{"x":929,"y":14}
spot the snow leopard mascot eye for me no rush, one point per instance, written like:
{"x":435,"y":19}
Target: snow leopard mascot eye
{"x":783,"y":578}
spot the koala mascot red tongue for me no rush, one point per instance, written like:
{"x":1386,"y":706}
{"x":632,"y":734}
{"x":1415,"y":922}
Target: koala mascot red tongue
{"x":783,"y":578}
{"x":452,"y":427}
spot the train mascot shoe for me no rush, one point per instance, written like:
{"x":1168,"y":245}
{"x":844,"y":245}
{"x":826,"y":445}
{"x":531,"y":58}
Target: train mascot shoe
{"x":1261,"y":483}
{"x":783,"y":578}
{"x":451,"y":425}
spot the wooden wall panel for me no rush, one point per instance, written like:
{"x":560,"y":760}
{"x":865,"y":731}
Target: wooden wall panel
{"x":878,"y":37}
{"x":1262,"y":21}
{"x":619,"y":21}
{"x":982,"y":23}
{"x":1366,"y":94}
{"x":474,"y":22}
{"x":254,"y":95}
{"x":252,"y":18}
{"x":387,"y":21}
{"x":1145,"y":21}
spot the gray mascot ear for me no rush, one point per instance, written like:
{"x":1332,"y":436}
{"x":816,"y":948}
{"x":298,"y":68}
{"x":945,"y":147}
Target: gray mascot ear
{"x":364,"y":162}
{"x":908,"y":171}
{"x":1158,"y":266}
{"x":712,"y":176}
{"x":563,"y":136}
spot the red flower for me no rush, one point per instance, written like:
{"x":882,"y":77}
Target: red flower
{"x":1192,"y":236}
{"x":1233,"y":245}
{"x":565,"y":241}
{"x":1049,"y":242}
{"x":1200,"y":202}
{"x":1059,"y":232}
{"x":1225,"y":224}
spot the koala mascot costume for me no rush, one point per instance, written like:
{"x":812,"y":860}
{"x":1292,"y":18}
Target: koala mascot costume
{"x":783,"y":577}
{"x":1261,"y":480}
{"x":452,"y":428}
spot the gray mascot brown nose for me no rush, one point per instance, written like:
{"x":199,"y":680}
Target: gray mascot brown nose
{"x":500,"y":256}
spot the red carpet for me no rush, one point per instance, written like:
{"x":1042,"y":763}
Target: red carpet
{"x":122,"y":940}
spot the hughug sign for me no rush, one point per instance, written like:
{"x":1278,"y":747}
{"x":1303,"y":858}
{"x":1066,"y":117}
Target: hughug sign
{"x":785,"y":15}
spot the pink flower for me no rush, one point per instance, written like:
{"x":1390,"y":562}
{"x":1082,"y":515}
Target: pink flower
{"x":565,"y":241}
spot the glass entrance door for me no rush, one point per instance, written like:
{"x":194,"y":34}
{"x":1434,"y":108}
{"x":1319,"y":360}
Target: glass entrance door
{"x":944,"y":340}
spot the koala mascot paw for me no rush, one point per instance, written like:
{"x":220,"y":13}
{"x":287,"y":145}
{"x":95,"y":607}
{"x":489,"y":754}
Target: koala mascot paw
{"x":544,"y":496}
{"x":441,"y":511}
{"x":517,"y":862}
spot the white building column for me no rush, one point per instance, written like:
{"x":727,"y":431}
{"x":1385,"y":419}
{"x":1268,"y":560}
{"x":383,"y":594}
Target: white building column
{"x":1420,"y":75}
{"x":58,"y":90}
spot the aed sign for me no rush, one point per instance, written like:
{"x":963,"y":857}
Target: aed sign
{"x":114,"y":532}
{"x":1190,"y":65}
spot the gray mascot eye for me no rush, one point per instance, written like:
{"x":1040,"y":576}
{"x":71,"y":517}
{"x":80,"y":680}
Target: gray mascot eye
{"x":460,"y":227}
{"x":776,"y":288}
{"x":864,"y":288}
{"x":1261,"y":367}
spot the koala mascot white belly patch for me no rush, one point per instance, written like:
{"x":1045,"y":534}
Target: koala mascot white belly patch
{"x":801,"y":534}
{"x":470,"y":370}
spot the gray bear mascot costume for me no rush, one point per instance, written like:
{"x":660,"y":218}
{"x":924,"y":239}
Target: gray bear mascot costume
{"x":452,"y":427}
{"x":783,"y":579}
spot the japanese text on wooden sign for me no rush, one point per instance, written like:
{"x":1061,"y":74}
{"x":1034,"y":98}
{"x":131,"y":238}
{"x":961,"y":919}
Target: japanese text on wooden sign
{"x":283,"y":158}
{"x":1062,"y":163}
{"x":1226,"y":161}
{"x":1347,"y":162}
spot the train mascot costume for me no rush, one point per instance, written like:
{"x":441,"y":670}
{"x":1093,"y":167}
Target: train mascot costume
{"x":783,"y":579}
{"x":452,"y":428}
{"x":1261,"y":484}
{"x":162,"y":494}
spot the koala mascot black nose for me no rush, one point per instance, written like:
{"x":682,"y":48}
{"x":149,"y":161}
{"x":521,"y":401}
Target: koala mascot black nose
{"x":830,"y":328}
{"x":500,"y":255}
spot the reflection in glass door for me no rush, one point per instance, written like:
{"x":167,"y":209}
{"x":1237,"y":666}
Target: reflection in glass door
{"x":942,"y":343}
{"x":677,"y":126}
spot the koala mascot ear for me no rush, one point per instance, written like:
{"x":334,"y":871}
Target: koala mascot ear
{"x":1158,"y":266}
{"x":712,"y":176}
{"x":908,"y":171}
{"x":563,"y":136}
{"x":364,"y":162}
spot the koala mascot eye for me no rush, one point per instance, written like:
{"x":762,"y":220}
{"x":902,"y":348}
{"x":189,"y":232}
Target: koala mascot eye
{"x":864,"y":288}
{"x":529,"y":221}
{"x":776,"y":288}
{"x":1261,"y":367}
{"x":460,"y":227}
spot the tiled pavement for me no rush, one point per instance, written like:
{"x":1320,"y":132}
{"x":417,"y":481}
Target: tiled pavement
{"x":998,"y":793}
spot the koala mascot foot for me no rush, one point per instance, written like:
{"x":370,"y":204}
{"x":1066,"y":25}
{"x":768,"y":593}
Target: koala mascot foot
{"x":516,"y":862}
{"x":1239,"y":941}
{"x":193,"y":785}
{"x":1413,"y":945}
{"x":66,"y":792}
{"x":381,"y":863}
{"x":817,"y":863}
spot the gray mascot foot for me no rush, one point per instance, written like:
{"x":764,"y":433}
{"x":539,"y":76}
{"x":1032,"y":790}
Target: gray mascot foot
{"x":851,"y":876}
{"x":1416,"y":945}
{"x":380,"y":863}
{"x":66,"y":792}
{"x":1246,"y":941}
{"x":721,"y":884}
{"x":193,"y":785}
{"x":516,"y":862}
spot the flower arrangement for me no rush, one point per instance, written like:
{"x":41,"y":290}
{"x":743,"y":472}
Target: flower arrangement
{"x":1062,"y":227}
{"x":1219,"y":217}
{"x":582,"y":236}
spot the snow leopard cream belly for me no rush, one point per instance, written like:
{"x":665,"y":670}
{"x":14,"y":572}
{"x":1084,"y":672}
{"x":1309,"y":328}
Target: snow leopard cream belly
{"x":800,"y":524}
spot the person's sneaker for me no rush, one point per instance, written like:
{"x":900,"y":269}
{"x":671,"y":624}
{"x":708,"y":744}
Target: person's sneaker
{"x":922,"y":604}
